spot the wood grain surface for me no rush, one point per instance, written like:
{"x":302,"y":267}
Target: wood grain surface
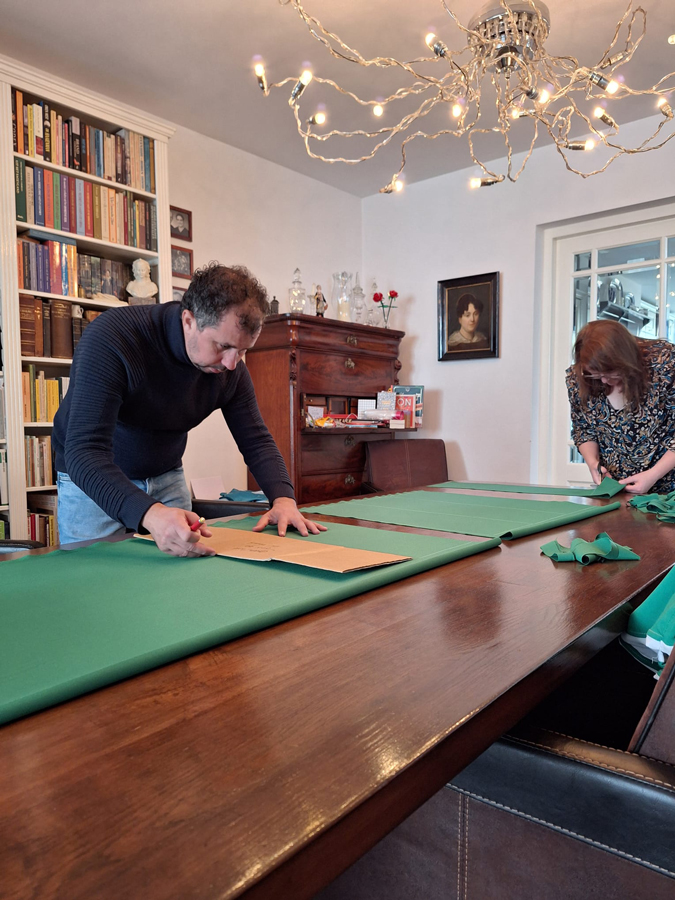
{"x":266,"y":766}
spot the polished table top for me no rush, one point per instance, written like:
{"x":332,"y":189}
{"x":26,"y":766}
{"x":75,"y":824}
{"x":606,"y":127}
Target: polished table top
{"x":266,"y":766}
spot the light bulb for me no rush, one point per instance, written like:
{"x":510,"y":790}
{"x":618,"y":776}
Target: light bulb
{"x":580,"y":145}
{"x":319,"y":118}
{"x":544,"y":97}
{"x":457,"y":110}
{"x":589,"y":144}
{"x":671,"y":39}
{"x":429,"y":39}
{"x":665,"y":107}
{"x":612,"y":87}
{"x":259,"y":70}
{"x":605,"y":117}
{"x":474,"y":183}
{"x":300,"y":85}
{"x":378,"y":109}
{"x":398,"y":185}
{"x":436,"y":44}
{"x":486,"y":181}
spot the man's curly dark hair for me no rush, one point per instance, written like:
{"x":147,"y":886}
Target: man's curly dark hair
{"x":215,"y":290}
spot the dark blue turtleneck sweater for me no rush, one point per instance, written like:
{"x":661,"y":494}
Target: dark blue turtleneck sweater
{"x":133,"y":397}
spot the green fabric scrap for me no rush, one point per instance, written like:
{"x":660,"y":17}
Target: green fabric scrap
{"x":601,"y":549}
{"x":607,"y":488}
{"x":662,"y":505}
{"x":650,"y":634}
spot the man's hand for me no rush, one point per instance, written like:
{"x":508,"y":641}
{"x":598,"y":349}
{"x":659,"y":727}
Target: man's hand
{"x":284,"y":512}
{"x":171,"y":531}
{"x":641,"y":483}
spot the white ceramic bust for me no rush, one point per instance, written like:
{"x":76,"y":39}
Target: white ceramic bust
{"x":141,"y":288}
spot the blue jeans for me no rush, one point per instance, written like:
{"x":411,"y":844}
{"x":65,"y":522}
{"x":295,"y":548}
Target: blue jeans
{"x":80,"y":519}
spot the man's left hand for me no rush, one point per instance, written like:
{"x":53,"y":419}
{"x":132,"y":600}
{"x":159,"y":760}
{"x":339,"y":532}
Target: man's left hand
{"x":641,"y":483}
{"x":284,"y":512}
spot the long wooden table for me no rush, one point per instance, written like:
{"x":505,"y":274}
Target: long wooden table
{"x":266,"y":766}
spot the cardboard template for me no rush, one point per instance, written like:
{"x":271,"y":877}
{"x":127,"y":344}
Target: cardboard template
{"x":268,"y":547}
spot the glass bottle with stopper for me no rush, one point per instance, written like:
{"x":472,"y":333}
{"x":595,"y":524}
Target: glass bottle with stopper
{"x":358,"y":301}
{"x":374,"y":315}
{"x":297,"y":294}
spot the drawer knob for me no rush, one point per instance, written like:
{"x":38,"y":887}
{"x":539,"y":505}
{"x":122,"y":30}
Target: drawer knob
{"x":350,"y":364}
{"x":349,"y":441}
{"x":349,"y":480}
{"x":352,"y":340}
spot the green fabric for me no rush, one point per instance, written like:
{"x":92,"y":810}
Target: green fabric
{"x":650,"y":634}
{"x":586,"y":552}
{"x":663,"y":505}
{"x":244,"y":496}
{"x":608,"y":488}
{"x":76,"y":620}
{"x":502,"y":517}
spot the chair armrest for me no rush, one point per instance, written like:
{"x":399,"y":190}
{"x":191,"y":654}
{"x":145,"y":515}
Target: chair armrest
{"x":219,"y":509}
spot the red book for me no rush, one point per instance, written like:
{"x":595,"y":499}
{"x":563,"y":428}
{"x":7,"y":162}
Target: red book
{"x":88,"y":209}
{"x":55,"y":286}
{"x":49,"y":198}
{"x":72,"y":205}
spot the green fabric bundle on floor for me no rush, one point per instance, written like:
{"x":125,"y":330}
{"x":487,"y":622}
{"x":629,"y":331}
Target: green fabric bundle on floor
{"x":662,"y":505}
{"x":601,"y":548}
{"x":650,"y":634}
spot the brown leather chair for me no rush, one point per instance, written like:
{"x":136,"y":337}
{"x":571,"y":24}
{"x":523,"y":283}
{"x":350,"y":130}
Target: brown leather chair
{"x":401,"y":464}
{"x":542,"y":814}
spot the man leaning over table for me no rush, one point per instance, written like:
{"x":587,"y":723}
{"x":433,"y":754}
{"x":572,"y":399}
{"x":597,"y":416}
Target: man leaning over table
{"x":141,"y":378}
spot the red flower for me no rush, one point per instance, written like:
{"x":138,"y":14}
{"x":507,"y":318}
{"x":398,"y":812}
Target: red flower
{"x":393,"y":295}
{"x":377,"y":297}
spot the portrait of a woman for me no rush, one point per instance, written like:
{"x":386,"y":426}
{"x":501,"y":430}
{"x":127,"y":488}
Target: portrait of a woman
{"x":468,"y":335}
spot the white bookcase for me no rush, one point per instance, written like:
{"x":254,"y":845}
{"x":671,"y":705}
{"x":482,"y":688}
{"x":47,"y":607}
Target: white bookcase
{"x":112,"y":116}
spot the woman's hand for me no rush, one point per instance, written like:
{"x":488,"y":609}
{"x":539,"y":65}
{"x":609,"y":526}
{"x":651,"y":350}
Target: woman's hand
{"x":641,"y":483}
{"x":598,"y":472}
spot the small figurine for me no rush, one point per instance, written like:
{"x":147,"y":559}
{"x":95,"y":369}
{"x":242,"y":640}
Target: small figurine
{"x":141,"y":290}
{"x":274,"y":307}
{"x":320,"y":302}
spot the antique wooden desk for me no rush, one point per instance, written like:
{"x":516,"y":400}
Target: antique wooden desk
{"x":266,"y":766}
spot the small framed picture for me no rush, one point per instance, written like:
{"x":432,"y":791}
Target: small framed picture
{"x":178,"y":293}
{"x":468,"y":317}
{"x":181,"y":223}
{"x":181,"y":262}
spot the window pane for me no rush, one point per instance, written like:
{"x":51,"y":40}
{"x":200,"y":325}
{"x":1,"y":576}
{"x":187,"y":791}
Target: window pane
{"x":670,"y":302}
{"x":575,"y":456}
{"x":582,"y":261}
{"x":582,"y":304}
{"x":671,"y":247}
{"x":629,"y":253}
{"x":632,"y":298}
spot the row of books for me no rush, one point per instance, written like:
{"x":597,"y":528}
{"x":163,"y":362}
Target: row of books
{"x":39,"y":471}
{"x":55,"y":267}
{"x":4,"y":495}
{"x":52,"y":328}
{"x":4,"y":529}
{"x":67,"y":203}
{"x":3,"y":433}
{"x":41,"y":394}
{"x":43,"y":132}
{"x":43,"y":527}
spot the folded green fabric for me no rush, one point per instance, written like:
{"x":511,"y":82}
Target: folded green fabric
{"x":650,"y":634}
{"x":608,"y":488}
{"x":244,"y":496}
{"x":587,"y":552}
{"x":662,"y":505}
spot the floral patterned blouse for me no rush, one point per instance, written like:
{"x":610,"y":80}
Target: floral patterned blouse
{"x":631,"y":441}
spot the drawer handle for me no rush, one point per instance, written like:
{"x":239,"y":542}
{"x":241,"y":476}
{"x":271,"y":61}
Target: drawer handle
{"x":349,"y":480}
{"x":350,"y":364}
{"x":352,"y":340}
{"x":349,"y":441}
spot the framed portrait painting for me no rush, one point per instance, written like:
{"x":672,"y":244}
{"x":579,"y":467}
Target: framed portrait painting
{"x":181,"y":262}
{"x":177,"y":293}
{"x":468,"y":317}
{"x":181,"y":223}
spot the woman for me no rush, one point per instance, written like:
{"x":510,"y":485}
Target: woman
{"x":622,"y":397}
{"x":469,"y":309}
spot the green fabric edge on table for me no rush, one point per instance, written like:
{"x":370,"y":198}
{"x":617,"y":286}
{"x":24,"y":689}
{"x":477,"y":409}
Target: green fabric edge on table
{"x":77,"y":620}
{"x":608,"y":488}
{"x":504,"y":517}
{"x":662,"y":505}
{"x":650,"y":633}
{"x":601,"y":548}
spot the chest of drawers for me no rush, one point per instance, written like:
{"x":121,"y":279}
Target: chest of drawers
{"x":298,"y":356}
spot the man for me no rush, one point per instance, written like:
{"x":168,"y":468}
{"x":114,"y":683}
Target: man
{"x":142,"y":377}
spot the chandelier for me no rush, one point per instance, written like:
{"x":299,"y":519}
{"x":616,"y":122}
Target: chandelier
{"x":501,"y":81}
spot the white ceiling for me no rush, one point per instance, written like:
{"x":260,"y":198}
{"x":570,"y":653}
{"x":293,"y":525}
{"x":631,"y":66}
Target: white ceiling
{"x":190,"y":61}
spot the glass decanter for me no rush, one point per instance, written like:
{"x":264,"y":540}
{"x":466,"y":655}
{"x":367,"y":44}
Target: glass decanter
{"x":358,"y":301}
{"x":297,"y":294}
{"x":342,"y":283}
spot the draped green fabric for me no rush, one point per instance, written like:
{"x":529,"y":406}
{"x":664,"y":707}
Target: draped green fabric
{"x":650,"y":634}
{"x":503,"y":517}
{"x":76,"y":620}
{"x":661,"y":505}
{"x":608,"y":488}
{"x":601,"y":548}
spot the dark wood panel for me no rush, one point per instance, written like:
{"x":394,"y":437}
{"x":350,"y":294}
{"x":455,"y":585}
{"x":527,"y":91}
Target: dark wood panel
{"x":336,"y":453}
{"x":355,"y":375}
{"x":289,"y":330}
{"x":330,"y":486}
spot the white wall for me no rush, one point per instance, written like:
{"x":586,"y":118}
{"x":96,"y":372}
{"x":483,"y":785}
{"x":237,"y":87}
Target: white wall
{"x":248,"y":211}
{"x":440,"y":229}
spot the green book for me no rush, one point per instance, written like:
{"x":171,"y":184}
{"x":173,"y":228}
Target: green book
{"x":20,"y":189}
{"x":57,"y":201}
{"x":33,"y":405}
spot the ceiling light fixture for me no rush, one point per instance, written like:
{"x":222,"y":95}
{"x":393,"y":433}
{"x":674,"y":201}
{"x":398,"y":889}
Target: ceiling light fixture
{"x":503,"y":63}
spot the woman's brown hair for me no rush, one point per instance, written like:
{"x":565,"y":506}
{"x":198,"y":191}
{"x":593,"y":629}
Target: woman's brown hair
{"x":603,"y":347}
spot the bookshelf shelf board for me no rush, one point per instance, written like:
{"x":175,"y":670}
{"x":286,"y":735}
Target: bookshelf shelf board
{"x":48,"y":360}
{"x":75,"y":173}
{"x":4,"y":508}
{"x":38,"y":424}
{"x":3,"y":440}
{"x":83,"y":301}
{"x":42,"y":487}
{"x":90,"y":244}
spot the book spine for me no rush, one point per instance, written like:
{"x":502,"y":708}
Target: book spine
{"x":79,"y":206}
{"x":61,"y":140}
{"x":146,"y":224}
{"x":96,"y":191}
{"x":19,"y":264}
{"x":95,"y":276}
{"x":54,"y":267}
{"x":20,"y":189}
{"x":47,"y":132}
{"x":64,"y":278}
{"x":33,"y":404}
{"x":112,"y":198}
{"x":37,"y":130}
{"x":83,"y":147}
{"x":71,"y":253}
{"x":15,"y":141}
{"x":20,"y":148}
{"x":39,"y":175}
{"x":49,"y":198}
{"x":75,"y":133}
{"x":146,"y":163}
{"x":39,"y":340}
{"x":125,"y":213}
{"x":54,"y":135}
{"x":27,"y":325}
{"x":152,"y":166}
{"x":62,"y":332}
{"x":65,"y":207}
{"x":30,"y":195}
{"x":105,"y":214}
{"x":119,"y":200}
{"x":72,"y":204}
{"x":47,"y":328}
{"x":26,"y":142}
{"x":88,"y":209}
{"x":119,"y":159}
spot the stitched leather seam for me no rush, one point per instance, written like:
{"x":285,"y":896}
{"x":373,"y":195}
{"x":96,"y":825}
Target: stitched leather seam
{"x":466,"y":852}
{"x":570,"y":737}
{"x":602,"y":765}
{"x":459,"y":840}
{"x":566,"y":831}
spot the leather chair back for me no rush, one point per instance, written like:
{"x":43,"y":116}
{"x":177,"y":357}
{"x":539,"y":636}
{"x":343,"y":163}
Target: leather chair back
{"x":401,"y":464}
{"x":655,"y":732}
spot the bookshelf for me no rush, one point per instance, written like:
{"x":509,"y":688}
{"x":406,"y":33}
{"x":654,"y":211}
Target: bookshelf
{"x":107,"y":115}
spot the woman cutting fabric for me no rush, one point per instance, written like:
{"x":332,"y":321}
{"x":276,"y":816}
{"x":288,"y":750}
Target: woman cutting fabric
{"x":622,"y":397}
